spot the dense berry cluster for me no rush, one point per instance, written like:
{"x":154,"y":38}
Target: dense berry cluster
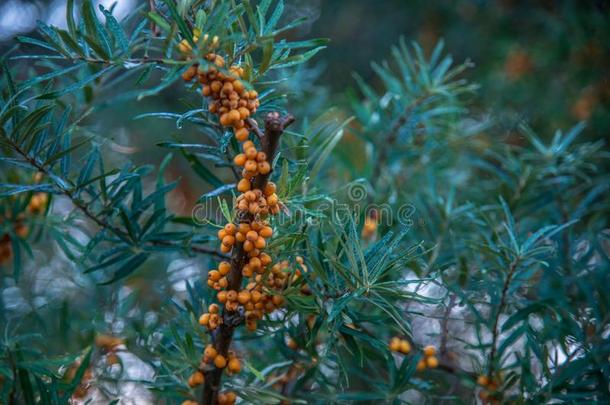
{"x":403,"y":346}
{"x":430,"y":360}
{"x":229,"y":97}
{"x":260,"y":283}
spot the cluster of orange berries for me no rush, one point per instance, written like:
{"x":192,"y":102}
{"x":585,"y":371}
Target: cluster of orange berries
{"x":488,"y":393}
{"x":262,"y":202}
{"x":400,"y":345}
{"x":231,"y":100}
{"x":429,"y":360}
{"x":403,"y":346}
{"x":260,"y":296}
{"x":253,"y":236}
{"x":253,"y":161}
{"x":231,"y":362}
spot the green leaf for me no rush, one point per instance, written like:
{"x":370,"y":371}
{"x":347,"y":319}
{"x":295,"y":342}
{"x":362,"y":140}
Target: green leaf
{"x":202,"y":171}
{"x":97,"y":35}
{"x":179,"y":21}
{"x":216,"y":192}
{"x":70,"y":17}
{"x":129,"y":267}
{"x":115,"y":29}
{"x":75,"y":86}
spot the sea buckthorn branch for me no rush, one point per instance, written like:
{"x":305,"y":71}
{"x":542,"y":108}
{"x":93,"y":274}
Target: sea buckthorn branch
{"x":275,"y":124}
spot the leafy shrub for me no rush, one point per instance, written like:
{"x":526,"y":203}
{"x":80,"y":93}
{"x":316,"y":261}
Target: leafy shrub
{"x":396,"y":248}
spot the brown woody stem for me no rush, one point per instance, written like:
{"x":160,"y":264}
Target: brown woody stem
{"x":275,"y":124}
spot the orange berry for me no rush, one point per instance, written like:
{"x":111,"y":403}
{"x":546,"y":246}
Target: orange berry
{"x":277,"y":300}
{"x":234,"y":116}
{"x":241,"y":134}
{"x":243,"y":297}
{"x":231,"y":295}
{"x":221,"y":297}
{"x":210,"y":352}
{"x":234,"y":365}
{"x":260,"y":243}
{"x":266,"y":232}
{"x":228,"y":240}
{"x":429,"y":351}
{"x":197,"y":378}
{"x":224,"y":268}
{"x":243,"y":185}
{"x":243,"y":113}
{"x":240,"y":159}
{"x":483,"y":380}
{"x":432,"y":362}
{"x":421,"y":365}
{"x":251,"y":154}
{"x":231,"y":397}
{"x":270,"y":188}
{"x":214,"y":275}
{"x":252,"y":236}
{"x":272,"y":199}
{"x":395,"y":344}
{"x":248,"y":246}
{"x":405,"y":347}
{"x":264,"y":167}
{"x":247,"y":271}
{"x":225,"y":120}
{"x":261,"y":157}
{"x":251,"y":166}
{"x":265,"y":259}
{"x":238,"y":86}
{"x":227,"y":87}
{"x":215,"y":86}
{"x":204,"y":319}
{"x":220,"y":361}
